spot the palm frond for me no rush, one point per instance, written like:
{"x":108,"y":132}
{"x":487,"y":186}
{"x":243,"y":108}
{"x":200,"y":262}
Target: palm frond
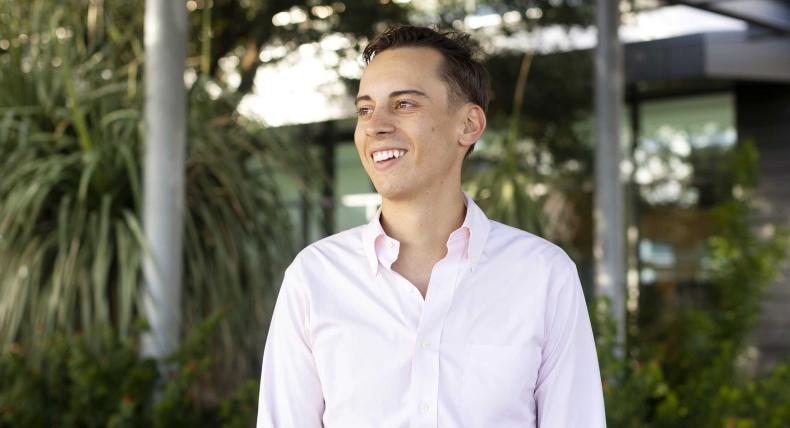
{"x":71,"y":241}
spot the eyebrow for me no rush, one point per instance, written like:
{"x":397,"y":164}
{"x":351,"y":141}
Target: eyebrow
{"x":394,"y":94}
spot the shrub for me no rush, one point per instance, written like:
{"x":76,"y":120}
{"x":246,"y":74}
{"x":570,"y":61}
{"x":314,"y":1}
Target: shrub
{"x":688,"y":377}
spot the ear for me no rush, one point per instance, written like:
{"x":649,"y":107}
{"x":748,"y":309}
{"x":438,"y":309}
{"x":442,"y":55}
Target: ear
{"x":474,"y":123}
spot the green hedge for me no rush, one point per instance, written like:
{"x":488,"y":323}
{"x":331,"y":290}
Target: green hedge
{"x":77,"y":383}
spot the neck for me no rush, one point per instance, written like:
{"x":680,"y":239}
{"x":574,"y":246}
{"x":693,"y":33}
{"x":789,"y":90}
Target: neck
{"x":425,"y":222}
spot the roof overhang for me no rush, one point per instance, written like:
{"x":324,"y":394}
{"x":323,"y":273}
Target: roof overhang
{"x":731,"y":55}
{"x":770,"y":14}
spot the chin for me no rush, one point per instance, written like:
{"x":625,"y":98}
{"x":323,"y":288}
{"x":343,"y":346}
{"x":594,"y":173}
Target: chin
{"x":393,"y":192}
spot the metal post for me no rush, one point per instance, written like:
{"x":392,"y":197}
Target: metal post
{"x":633,"y":211}
{"x":163,"y":199}
{"x":329,"y":142}
{"x":608,"y":214}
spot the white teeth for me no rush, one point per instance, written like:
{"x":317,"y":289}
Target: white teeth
{"x":387,"y":154}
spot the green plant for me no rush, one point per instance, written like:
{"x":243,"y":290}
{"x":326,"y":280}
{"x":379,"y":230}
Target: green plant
{"x":78,"y":383}
{"x":70,"y":190}
{"x":241,"y":409}
{"x":504,"y":171}
{"x":687,"y":376}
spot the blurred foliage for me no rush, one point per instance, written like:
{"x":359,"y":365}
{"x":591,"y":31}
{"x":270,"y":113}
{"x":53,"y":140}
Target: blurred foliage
{"x":500,"y":179}
{"x":70,"y":193}
{"x":695,"y":372}
{"x":532,"y":168}
{"x":242,"y":28}
{"x":82,"y":384}
{"x":557,"y":101}
{"x":534,"y":158}
{"x":502,"y":182}
{"x":552,"y":12}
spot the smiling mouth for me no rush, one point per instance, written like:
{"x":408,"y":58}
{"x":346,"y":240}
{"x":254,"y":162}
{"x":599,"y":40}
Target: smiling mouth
{"x":385,"y":155}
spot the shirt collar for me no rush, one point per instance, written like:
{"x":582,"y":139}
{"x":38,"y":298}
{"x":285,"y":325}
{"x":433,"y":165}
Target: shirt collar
{"x":478,"y":226}
{"x":373,"y":232}
{"x":475,"y":223}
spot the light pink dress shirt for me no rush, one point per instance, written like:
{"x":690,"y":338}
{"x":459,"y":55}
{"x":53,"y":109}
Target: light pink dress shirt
{"x":502,"y":338}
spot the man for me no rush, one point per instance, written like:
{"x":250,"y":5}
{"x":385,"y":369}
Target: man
{"x":430,"y":315}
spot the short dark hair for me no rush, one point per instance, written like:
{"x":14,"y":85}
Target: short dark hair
{"x":466,"y":77}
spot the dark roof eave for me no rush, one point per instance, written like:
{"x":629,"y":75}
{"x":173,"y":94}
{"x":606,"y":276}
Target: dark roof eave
{"x":731,"y":55}
{"x":773,"y":15}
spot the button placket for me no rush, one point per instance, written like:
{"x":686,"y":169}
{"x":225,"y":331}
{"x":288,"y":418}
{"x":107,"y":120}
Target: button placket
{"x":425,"y":361}
{"x":425,"y":369}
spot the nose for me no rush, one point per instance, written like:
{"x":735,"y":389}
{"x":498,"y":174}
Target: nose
{"x":380,"y":123}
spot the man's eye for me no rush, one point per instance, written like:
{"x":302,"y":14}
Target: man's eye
{"x":364,"y":111}
{"x":403,"y":104}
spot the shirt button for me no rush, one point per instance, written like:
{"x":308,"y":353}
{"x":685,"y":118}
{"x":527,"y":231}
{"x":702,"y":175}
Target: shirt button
{"x":390,"y":244}
{"x":426,"y":345}
{"x":424,"y":408}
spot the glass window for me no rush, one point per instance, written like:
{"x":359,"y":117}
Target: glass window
{"x":681,"y":171}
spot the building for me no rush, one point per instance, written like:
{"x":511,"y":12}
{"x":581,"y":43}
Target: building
{"x":717,"y":88}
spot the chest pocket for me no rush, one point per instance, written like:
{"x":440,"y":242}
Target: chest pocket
{"x":500,"y":376}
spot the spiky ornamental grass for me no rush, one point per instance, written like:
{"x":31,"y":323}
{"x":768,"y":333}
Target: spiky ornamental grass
{"x":71,"y":239}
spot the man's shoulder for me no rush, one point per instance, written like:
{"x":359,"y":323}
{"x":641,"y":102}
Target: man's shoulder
{"x":347,"y":243}
{"x":337,"y":258}
{"x":524,"y":245}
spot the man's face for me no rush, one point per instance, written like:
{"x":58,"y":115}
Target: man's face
{"x":403,"y":108}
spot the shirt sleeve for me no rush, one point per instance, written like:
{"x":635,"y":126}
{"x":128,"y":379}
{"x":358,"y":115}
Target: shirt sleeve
{"x":290,"y":391}
{"x":568,"y":392}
